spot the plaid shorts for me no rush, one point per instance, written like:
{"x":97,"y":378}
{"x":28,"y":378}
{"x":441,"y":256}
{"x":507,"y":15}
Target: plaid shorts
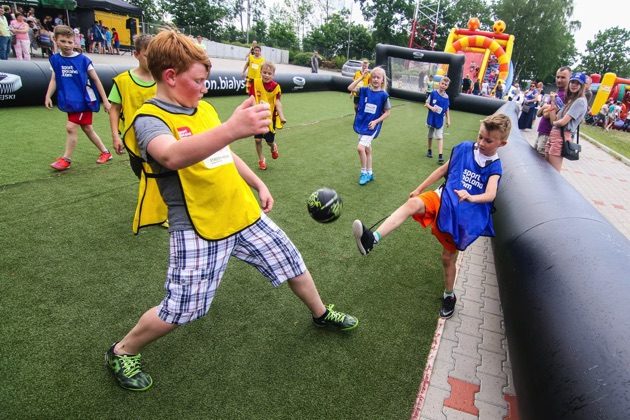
{"x":196,"y":266}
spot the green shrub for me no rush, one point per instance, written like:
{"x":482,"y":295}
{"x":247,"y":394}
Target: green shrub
{"x":339,"y":60}
{"x":300,"y":58}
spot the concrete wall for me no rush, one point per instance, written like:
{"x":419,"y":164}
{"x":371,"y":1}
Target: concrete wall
{"x":216,"y":49}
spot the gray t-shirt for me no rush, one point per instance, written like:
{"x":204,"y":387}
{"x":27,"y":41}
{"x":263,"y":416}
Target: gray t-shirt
{"x":147,"y":128}
{"x":577,"y":111}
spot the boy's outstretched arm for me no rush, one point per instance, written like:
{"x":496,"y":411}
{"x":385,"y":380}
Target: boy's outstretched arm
{"x":52,"y":86}
{"x":114,"y":118}
{"x":435,"y":176}
{"x":488,"y":196}
{"x":100,"y":89}
{"x":246,"y":120}
{"x":355,"y":83}
{"x":278,"y":105}
{"x":264,"y":195}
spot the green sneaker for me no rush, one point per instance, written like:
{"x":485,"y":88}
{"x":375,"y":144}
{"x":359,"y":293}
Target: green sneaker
{"x":337,"y":320}
{"x":127,"y":370}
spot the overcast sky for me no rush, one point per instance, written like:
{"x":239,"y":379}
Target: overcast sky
{"x":594,"y":15}
{"x":599,"y":15}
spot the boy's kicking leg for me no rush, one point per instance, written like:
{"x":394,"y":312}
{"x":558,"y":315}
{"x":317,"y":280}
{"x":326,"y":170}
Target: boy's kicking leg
{"x":304,"y":288}
{"x":96,"y":140}
{"x":365,"y":157}
{"x":368,"y":163}
{"x":123,"y":358}
{"x":440,"y":143}
{"x":414,"y":207}
{"x":361,"y":149}
{"x":366,"y":239}
{"x":274,"y":149}
{"x":262,"y":165}
{"x":429,"y":144}
{"x":449,"y":259}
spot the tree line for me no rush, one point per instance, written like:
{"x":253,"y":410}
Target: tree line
{"x":543,"y":29}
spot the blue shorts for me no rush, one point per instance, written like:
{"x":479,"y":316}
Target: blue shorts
{"x":196,"y":266}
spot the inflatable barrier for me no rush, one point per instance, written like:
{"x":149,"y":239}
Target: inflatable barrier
{"x":455,"y":62}
{"x":563,"y":279}
{"x":24,"y":83}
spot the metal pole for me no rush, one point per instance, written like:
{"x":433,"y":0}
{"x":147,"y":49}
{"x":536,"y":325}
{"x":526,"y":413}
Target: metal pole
{"x":349,"y":26}
{"x":247,"y":26}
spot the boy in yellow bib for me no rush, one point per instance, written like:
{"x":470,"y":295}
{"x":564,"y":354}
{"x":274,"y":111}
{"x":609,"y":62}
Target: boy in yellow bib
{"x":131,"y":88}
{"x":252,"y":67}
{"x":190,"y":174}
{"x":265,"y":89}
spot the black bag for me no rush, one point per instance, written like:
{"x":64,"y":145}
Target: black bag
{"x":571,"y":150}
{"x":525,"y":108}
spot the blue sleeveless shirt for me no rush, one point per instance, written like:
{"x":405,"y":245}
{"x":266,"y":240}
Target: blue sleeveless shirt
{"x":466,"y":221}
{"x":371,"y":106}
{"x":436,"y":119}
{"x":74,"y":89}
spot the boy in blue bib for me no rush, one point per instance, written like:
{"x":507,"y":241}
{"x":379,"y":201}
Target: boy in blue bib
{"x":459,"y":211}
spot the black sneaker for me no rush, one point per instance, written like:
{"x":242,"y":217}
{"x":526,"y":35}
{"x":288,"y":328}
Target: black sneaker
{"x":440,"y":161}
{"x":337,"y":320}
{"x":127,"y":370}
{"x":448,"y":306}
{"x":363,"y":236}
{"x":429,"y":154}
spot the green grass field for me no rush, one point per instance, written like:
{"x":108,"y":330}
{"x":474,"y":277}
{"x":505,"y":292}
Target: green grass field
{"x":619,"y":141}
{"x":74,"y":279}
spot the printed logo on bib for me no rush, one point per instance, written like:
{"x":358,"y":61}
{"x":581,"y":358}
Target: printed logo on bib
{"x":184,"y":132}
{"x":370,"y":108}
{"x":220,"y":158}
{"x":471,"y":179}
{"x":254,"y":66}
{"x":438,"y":109}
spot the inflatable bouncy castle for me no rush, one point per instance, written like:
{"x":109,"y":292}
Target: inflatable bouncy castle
{"x":610,"y":87}
{"x":488,"y":54}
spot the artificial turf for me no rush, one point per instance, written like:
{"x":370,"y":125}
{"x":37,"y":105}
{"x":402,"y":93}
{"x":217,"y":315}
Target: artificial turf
{"x":74,"y":279}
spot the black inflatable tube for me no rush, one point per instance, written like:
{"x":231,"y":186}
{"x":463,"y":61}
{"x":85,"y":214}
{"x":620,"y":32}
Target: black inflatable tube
{"x":32,"y":77}
{"x":455,"y":62}
{"x":563,"y":273}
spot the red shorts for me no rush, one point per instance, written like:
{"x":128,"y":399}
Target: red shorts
{"x":80,"y":118}
{"x":431,"y":202}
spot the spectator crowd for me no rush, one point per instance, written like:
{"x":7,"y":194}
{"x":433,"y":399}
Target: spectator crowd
{"x":25,"y":32}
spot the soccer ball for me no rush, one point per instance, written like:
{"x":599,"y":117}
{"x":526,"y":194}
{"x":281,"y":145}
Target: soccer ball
{"x":324,"y":205}
{"x":498,"y":27}
{"x":473,"y":23}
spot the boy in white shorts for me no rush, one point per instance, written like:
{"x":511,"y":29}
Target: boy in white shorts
{"x":373,"y":108}
{"x":438,"y":104}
